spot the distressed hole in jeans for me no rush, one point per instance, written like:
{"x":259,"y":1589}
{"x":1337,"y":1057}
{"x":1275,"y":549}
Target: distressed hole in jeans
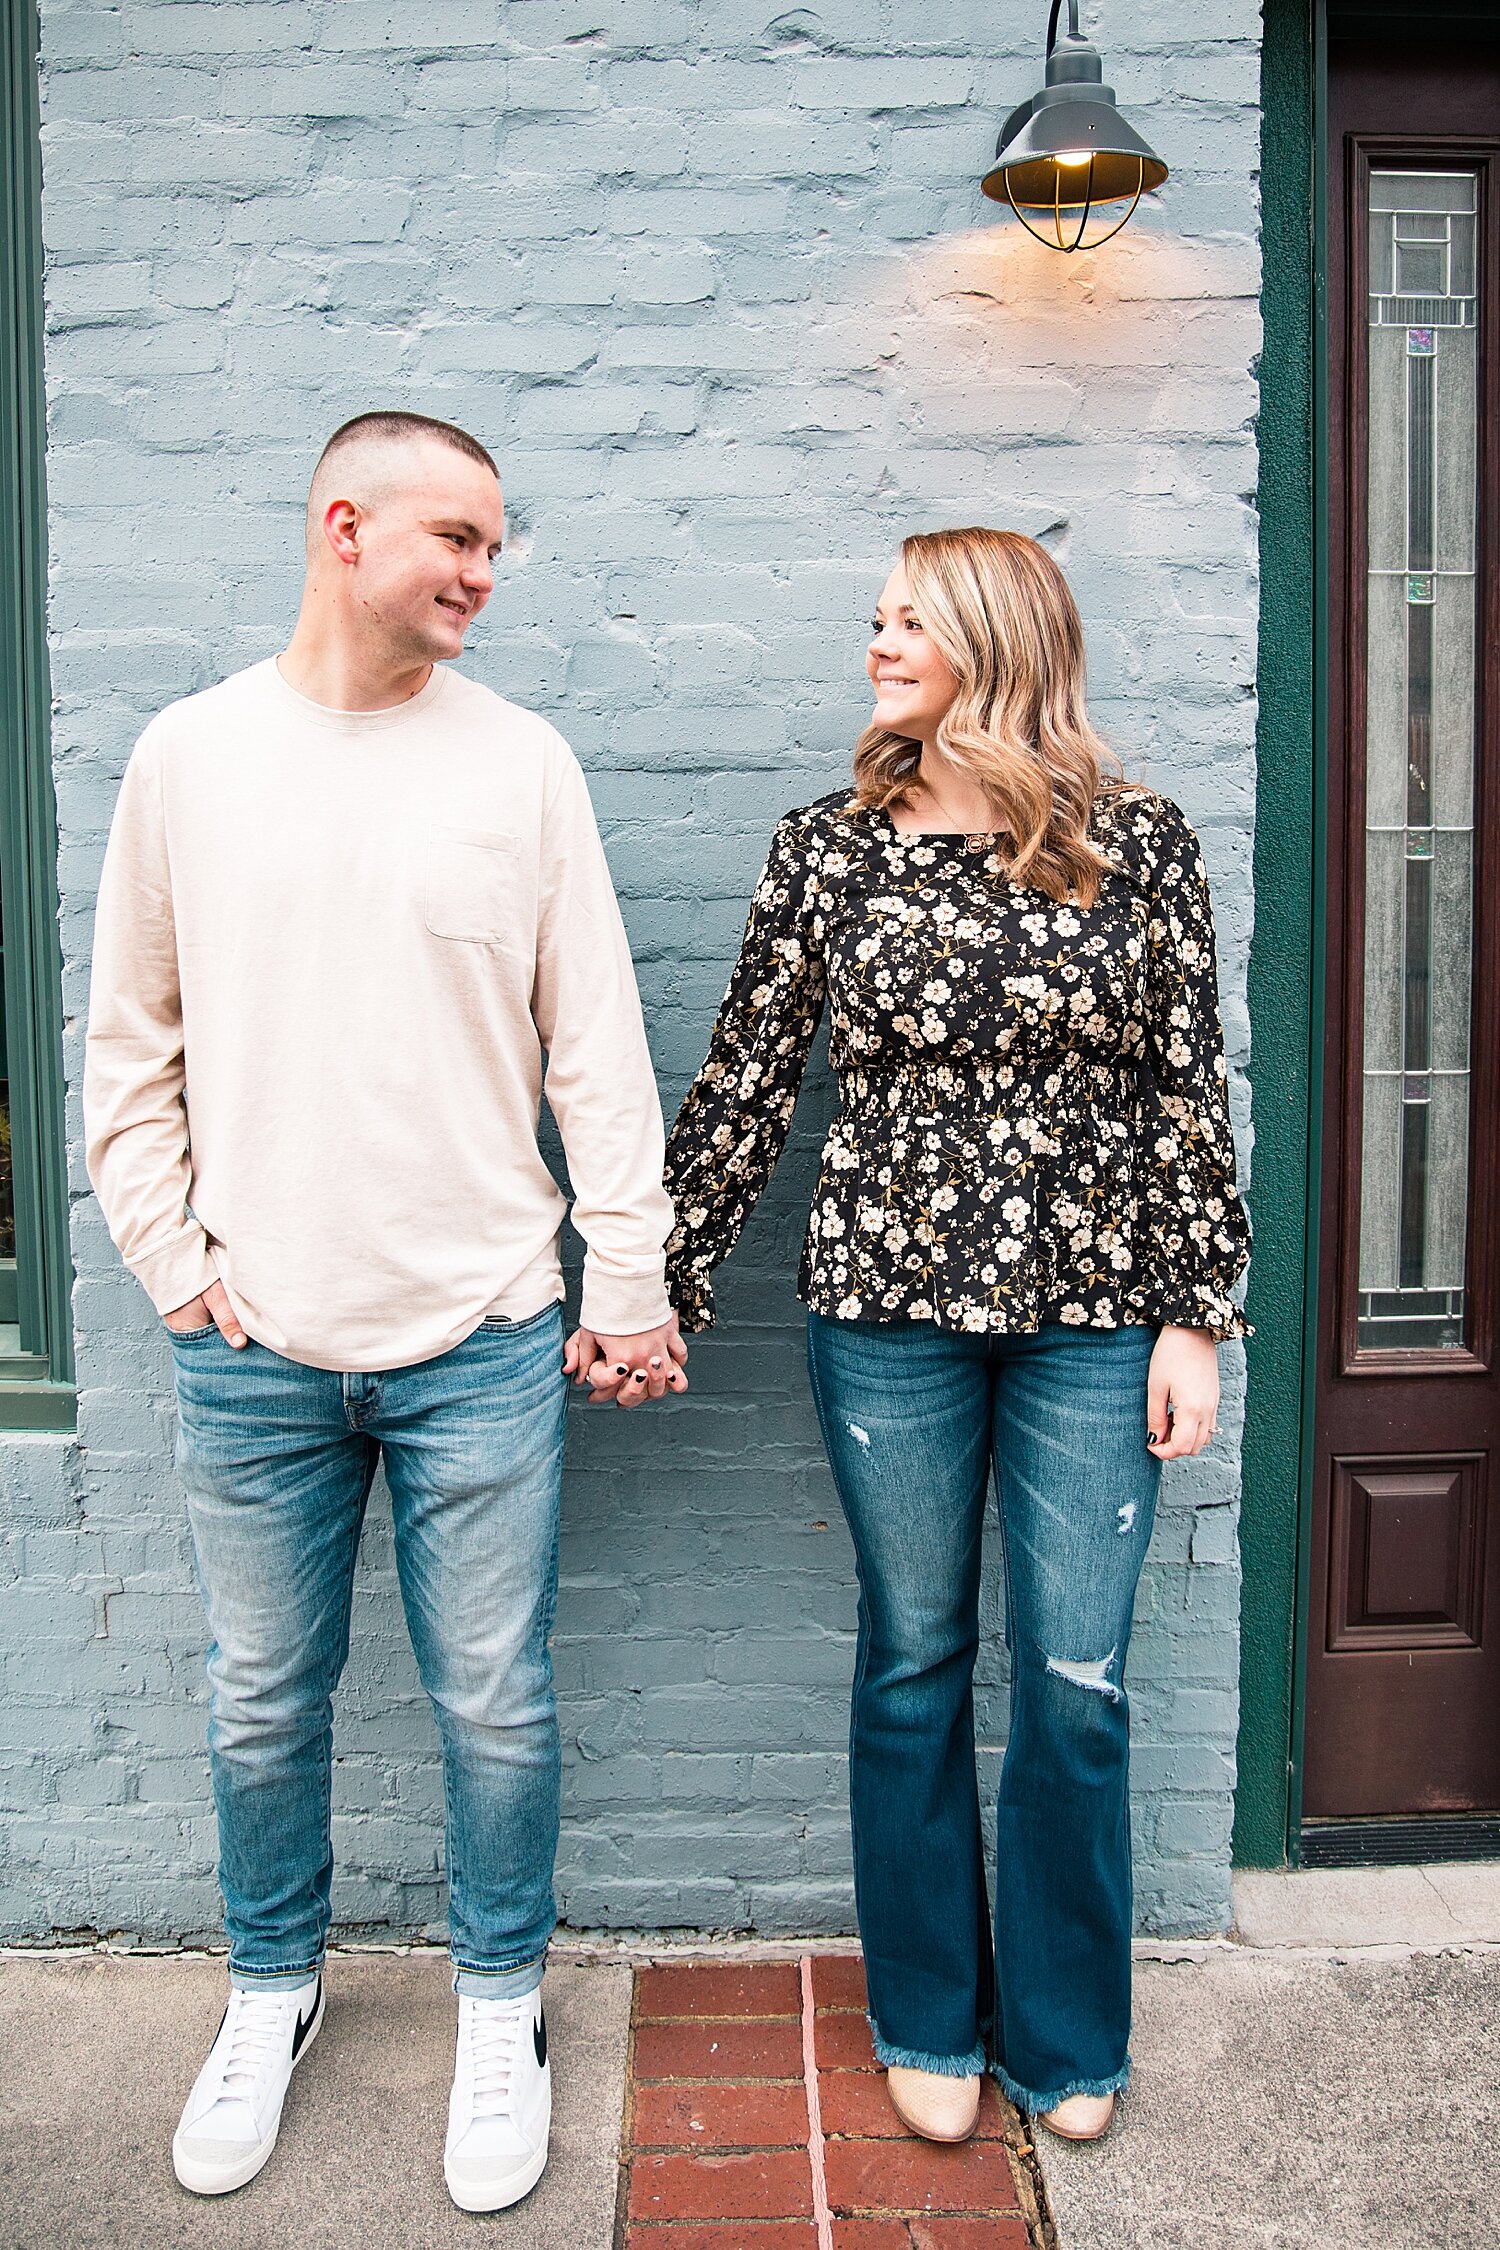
{"x":1125,"y":1517}
{"x":1094,"y":1677}
{"x":860,"y":1437}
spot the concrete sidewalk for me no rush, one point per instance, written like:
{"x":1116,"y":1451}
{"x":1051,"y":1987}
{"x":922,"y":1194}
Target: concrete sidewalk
{"x":97,"y":2054}
{"x":1283,"y":2103}
{"x":1328,"y":2080}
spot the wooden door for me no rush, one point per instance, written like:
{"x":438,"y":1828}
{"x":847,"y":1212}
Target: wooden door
{"x":1402,"y":1707}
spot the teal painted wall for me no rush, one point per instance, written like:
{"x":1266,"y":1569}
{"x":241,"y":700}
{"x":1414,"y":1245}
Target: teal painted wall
{"x":721,"y":287}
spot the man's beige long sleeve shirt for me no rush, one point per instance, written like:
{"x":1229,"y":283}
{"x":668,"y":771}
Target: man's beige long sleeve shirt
{"x":332,"y":948}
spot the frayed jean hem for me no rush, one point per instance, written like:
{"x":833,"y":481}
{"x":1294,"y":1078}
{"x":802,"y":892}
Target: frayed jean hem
{"x":911,"y":2058}
{"x":1037,"y":2105}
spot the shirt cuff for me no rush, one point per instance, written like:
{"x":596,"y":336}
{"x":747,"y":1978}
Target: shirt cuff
{"x":616,"y":1304}
{"x":178,"y":1271}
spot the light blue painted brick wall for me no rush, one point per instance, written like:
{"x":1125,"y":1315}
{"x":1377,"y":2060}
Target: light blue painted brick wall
{"x":718,"y":286}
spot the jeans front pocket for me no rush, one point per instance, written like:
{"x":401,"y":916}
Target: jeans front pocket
{"x":471,"y":885}
{"x":499,"y":1324}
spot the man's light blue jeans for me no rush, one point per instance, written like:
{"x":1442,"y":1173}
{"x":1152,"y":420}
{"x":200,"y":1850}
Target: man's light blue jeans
{"x":278,"y":1460}
{"x":915,"y":1418}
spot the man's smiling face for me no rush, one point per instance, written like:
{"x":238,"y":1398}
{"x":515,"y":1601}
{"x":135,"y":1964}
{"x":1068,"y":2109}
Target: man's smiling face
{"x":427,"y":541}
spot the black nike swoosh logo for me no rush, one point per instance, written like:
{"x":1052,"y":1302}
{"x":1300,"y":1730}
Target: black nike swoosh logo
{"x":539,"y":2040}
{"x":305,"y":2023}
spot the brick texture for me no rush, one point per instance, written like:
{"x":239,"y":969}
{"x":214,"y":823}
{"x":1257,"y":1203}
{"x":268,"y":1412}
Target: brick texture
{"x":712,"y":1989}
{"x":908,"y":2175}
{"x":724,"y":2152}
{"x":718,"y":2050}
{"x":731,"y":2115}
{"x":720,"y":289}
{"x":753,"y":2234}
{"x":771,"y":2184}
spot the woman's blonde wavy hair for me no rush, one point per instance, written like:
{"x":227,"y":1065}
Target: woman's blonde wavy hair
{"x":999,"y":610}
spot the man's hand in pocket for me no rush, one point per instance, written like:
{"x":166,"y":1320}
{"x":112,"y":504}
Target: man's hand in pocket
{"x":213,"y":1306}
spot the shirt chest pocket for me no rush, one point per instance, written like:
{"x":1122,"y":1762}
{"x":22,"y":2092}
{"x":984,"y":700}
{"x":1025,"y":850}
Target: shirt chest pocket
{"x":472,"y":886}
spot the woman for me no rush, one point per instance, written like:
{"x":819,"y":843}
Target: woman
{"x":1019,"y":1259}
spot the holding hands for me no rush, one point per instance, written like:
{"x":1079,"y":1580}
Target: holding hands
{"x":627,"y":1369}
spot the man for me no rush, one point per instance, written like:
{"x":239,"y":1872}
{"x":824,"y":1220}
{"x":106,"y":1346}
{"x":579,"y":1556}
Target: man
{"x":349,"y":900}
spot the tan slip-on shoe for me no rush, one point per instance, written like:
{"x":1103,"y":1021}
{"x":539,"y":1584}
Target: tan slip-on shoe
{"x":937,"y":2107}
{"x":1082,"y":2117}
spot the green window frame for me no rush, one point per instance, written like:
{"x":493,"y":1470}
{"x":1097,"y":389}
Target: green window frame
{"x":36,"y":1333}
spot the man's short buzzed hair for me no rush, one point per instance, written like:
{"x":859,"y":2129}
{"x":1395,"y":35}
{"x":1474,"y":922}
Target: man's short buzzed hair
{"x":374,"y":443}
{"x":397,"y":427}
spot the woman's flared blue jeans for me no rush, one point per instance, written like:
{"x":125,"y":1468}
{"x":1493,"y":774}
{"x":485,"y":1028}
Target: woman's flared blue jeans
{"x":915,"y":1419}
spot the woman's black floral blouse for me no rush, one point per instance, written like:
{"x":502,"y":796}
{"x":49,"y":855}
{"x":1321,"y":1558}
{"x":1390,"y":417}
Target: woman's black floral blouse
{"x":1033,"y":1123}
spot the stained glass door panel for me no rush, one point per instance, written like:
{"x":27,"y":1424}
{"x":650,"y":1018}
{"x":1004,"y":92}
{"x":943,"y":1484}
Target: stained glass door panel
{"x":1422,"y":410}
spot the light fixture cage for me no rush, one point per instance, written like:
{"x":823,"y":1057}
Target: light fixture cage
{"x":1068,"y":153}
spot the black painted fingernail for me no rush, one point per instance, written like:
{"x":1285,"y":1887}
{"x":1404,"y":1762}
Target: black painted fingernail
{"x":622,"y":1370}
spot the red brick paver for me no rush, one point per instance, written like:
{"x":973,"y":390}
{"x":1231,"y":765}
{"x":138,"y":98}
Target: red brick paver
{"x":771,"y":2184}
{"x":722,"y":2114}
{"x":750,"y":2048}
{"x":719,"y":1988}
{"x":969,"y":2234}
{"x":717,"y":2151}
{"x":989,"y":2233}
{"x":844,"y":2042}
{"x":838,"y":1981}
{"x":743,"y":2234}
{"x":912,"y":2175}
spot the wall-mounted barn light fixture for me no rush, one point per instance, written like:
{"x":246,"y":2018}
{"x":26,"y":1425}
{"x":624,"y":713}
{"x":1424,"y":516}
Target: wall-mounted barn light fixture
{"x":1068,"y":155}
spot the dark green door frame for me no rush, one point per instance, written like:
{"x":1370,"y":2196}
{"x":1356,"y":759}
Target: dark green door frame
{"x":1287,"y":950}
{"x":1285,"y":974}
{"x":36,"y":1381}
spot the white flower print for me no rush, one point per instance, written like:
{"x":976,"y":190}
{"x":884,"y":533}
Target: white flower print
{"x":1032,"y":1128}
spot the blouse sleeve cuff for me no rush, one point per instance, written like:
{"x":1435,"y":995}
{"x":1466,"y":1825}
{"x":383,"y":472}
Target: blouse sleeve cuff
{"x":1208,"y":1308}
{"x":692,"y":1299}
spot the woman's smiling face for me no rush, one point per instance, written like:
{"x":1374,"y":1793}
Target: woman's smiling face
{"x":914,"y":683}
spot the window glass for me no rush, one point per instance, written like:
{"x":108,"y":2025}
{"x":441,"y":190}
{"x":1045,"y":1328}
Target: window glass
{"x":1419,"y":757}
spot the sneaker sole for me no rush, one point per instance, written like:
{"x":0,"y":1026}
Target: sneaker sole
{"x":470,"y":2195}
{"x":206,"y":2180}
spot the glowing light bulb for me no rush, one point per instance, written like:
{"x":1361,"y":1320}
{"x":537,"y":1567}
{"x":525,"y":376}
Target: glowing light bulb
{"x":1073,"y":156}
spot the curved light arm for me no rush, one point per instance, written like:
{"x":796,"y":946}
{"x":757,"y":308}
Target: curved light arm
{"x":1052,"y":22}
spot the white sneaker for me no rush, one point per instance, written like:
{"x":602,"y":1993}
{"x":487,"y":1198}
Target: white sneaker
{"x":500,"y":2111}
{"x":233,"y":2113}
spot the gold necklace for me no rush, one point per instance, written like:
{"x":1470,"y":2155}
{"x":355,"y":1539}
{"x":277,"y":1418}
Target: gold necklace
{"x":973,"y":841}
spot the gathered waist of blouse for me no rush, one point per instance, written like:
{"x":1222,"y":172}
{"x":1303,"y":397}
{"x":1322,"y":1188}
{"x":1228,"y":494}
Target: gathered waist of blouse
{"x":1066,"y":1088}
